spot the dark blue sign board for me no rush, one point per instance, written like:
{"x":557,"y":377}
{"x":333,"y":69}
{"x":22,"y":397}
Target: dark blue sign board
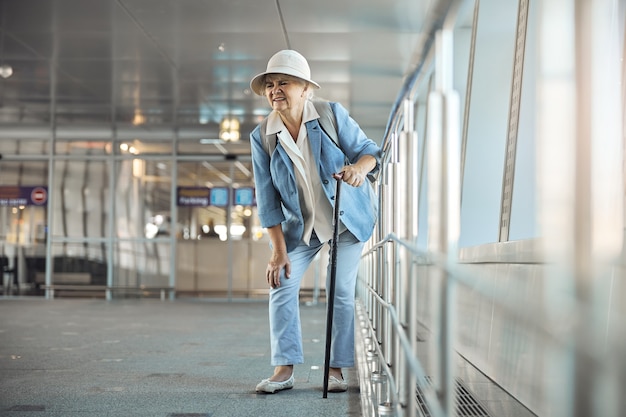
{"x":192,"y":196}
{"x":15,"y":196}
{"x":218,"y":196}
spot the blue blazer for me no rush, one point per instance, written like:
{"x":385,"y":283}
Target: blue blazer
{"x":275,"y":180}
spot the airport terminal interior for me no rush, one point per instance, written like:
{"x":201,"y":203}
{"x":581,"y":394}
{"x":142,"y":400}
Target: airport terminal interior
{"x":133,"y":259}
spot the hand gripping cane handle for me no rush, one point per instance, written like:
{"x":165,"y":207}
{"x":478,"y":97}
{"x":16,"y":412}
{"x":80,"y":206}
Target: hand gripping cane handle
{"x":333,"y":275}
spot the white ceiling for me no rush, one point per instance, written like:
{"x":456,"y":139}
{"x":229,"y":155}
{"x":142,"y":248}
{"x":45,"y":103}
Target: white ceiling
{"x":187,"y":63}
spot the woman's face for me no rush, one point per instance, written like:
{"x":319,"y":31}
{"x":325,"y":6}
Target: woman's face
{"x":284,"y":92}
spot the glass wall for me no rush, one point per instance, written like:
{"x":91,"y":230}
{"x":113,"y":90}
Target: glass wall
{"x":23,"y":214}
{"x":133,"y":218}
{"x":221,"y":248}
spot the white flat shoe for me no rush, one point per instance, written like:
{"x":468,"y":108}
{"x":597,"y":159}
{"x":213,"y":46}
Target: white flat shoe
{"x":270,"y":387}
{"x":337,"y":385}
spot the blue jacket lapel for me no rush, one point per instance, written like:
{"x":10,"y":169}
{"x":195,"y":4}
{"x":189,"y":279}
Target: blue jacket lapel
{"x":315,"y":138}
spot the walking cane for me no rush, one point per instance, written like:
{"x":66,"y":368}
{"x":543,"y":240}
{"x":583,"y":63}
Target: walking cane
{"x":331,"y":291}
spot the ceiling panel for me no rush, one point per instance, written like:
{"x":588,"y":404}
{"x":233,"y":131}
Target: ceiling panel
{"x":189,"y":62}
{"x":27,"y":15}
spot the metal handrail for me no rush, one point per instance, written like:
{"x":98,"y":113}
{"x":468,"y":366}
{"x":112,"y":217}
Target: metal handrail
{"x":423,"y":57}
{"x":383,"y":264}
{"x":521,"y":311}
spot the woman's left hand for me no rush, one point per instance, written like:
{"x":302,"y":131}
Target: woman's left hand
{"x":353,"y":175}
{"x":356,"y":173}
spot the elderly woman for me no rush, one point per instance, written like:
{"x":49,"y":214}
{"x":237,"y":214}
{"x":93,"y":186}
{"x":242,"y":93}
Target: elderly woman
{"x":294,"y":160}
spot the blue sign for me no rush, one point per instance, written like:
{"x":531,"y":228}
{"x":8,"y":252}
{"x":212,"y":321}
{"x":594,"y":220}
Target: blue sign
{"x":244,"y":196}
{"x":219,"y":197}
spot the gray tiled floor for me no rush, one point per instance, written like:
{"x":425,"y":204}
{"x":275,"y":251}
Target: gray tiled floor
{"x":82,"y":357}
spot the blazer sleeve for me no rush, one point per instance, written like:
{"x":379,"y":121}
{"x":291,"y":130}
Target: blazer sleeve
{"x":268,"y":199}
{"x":353,"y":141}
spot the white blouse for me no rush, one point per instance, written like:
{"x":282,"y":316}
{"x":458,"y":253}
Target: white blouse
{"x":316,"y":209}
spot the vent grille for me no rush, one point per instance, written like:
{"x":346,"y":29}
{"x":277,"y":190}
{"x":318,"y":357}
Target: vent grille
{"x":466,"y":404}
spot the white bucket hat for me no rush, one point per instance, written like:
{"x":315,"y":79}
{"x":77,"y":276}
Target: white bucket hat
{"x":287,"y":62}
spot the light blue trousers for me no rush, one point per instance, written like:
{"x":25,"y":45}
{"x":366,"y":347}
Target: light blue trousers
{"x":284,"y":306}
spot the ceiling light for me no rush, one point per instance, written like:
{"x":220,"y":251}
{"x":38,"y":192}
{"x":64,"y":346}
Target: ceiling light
{"x":229,"y":124}
{"x":6,"y":71}
{"x":229,"y":129}
{"x":230,"y":136}
{"x":139,"y":118}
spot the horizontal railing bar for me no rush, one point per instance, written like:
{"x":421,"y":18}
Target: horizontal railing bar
{"x":515,"y":307}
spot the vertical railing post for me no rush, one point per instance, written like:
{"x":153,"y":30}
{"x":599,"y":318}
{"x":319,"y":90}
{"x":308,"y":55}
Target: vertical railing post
{"x":411,"y":295}
{"x":229,"y":223}
{"x":407,"y":219}
{"x":399,"y":225}
{"x":444,"y":209}
{"x":598,"y":193}
{"x":555,"y":170}
{"x":389,"y":257}
{"x":49,"y":272}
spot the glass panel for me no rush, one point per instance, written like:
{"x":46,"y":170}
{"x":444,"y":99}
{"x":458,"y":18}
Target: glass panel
{"x":23,"y":202}
{"x":198,"y":218}
{"x":201,"y":222}
{"x":33,"y":113}
{"x":207,"y":217}
{"x":142,"y":198}
{"x":200,"y":147}
{"x":79,"y":263}
{"x":85,"y":113}
{"x":34,"y":267}
{"x":80,"y":147}
{"x":160,"y":111}
{"x":141,"y":264}
{"x":142,"y":147}
{"x":24,"y":146}
{"x":81,"y":203}
{"x":242,"y":226}
{"x":214,"y":147}
{"x":22,"y":247}
{"x":24,"y":173}
{"x":23,"y":225}
{"x":23,"y":220}
{"x":487,"y":124}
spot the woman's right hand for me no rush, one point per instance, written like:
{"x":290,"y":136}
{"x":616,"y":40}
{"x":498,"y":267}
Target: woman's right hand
{"x":278,"y":261}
